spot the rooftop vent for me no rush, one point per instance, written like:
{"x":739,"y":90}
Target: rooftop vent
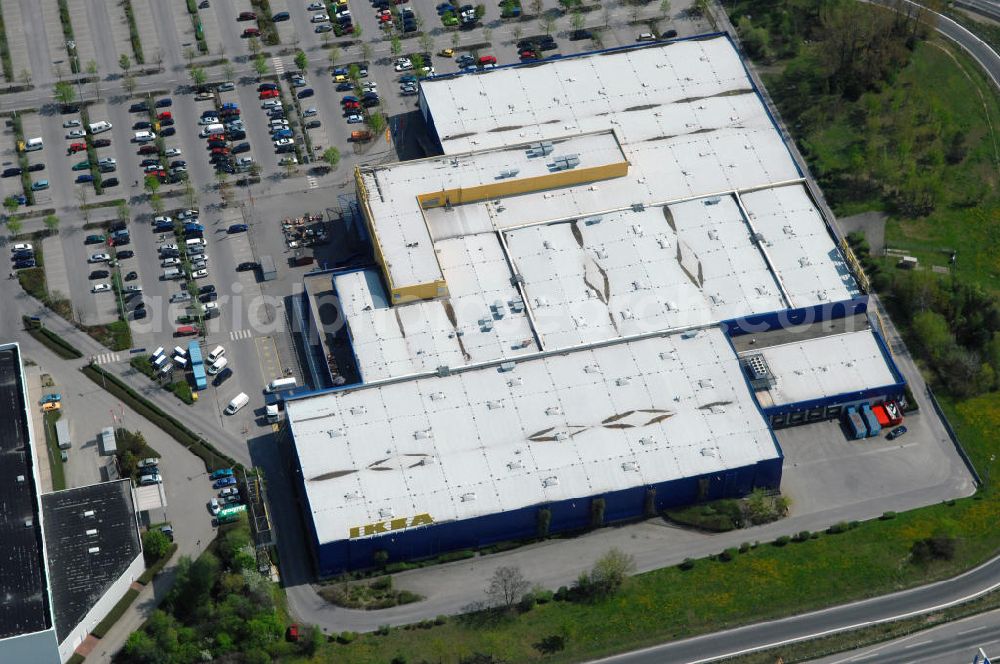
{"x":352,"y":495}
{"x":562,"y":435}
{"x":591,"y":221}
{"x":708,"y":452}
{"x":515,"y":465}
{"x":92,"y":531}
{"x":712,"y":201}
{"x":94,"y":549}
{"x":554,"y":410}
{"x":663,"y":241}
{"x":705,"y":383}
{"x":20,"y":479}
{"x":507,"y":366}
{"x":336,"y":433}
{"x":443,"y":370}
{"x":423,"y":434}
{"x":384,"y":513}
{"x":515,"y":382}
{"x":592,"y":368}
{"x":28,"y":523}
{"x":494,"y":405}
{"x":646,"y":440}
{"x":630,"y":466}
{"x":468,"y":497}
{"x":358,"y":410}
{"x":89,"y":513}
{"x":623,"y":381}
{"x":550,"y":481}
{"x":437,"y":396}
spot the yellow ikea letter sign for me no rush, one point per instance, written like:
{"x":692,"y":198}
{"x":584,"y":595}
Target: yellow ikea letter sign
{"x":380,"y":527}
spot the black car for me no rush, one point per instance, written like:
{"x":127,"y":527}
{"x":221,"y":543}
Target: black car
{"x":118,"y":226}
{"x":110,"y":182}
{"x":34,"y":168}
{"x":141,"y":107}
{"x":207,"y":289}
{"x":313,"y":124}
{"x":306,"y":92}
{"x":167,"y":122}
{"x":131,"y":276}
{"x":138,"y":314}
{"x":122,"y":255}
{"x":236,"y":135}
{"x":102,"y":142}
{"x":177,"y":163}
{"x":547,"y":45}
{"x":208,"y":297}
{"x":99,"y":274}
{"x":247,"y":266}
{"x":11,"y":172}
{"x":149,"y":162}
{"x":217,"y":144}
{"x":369,"y":102}
{"x":168,"y":131}
{"x":577,"y":35}
{"x":20,"y":255}
{"x":280,"y":16}
{"x":240,"y":148}
{"x":140,"y":306}
{"x":142,"y":124}
{"x":222,"y":376}
{"x":24,"y":263}
{"x":322,"y":169}
{"x":107,"y":168}
{"x":166,"y":102}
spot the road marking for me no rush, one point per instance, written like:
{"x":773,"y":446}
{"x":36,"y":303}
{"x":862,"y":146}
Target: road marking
{"x":279,"y":65}
{"x":313,"y":182}
{"x":236,"y":335}
{"x":976,"y":629}
{"x":915,"y":645}
{"x":106,"y":358}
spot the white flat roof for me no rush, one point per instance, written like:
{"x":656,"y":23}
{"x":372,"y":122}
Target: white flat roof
{"x":563,"y":426}
{"x":393,"y":190}
{"x":824,"y":366}
{"x":466,"y":328}
{"x":631,"y":273}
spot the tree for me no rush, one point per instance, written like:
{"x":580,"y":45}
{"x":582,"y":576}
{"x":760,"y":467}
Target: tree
{"x":366,"y":51}
{"x":65,"y":93}
{"x":198,"y":76}
{"x":426,"y":42}
{"x":487,"y":34}
{"x":189,"y":54}
{"x":331,"y":156}
{"x":11,"y":204}
{"x":419,"y":67}
{"x":190,"y":194}
{"x":354,"y":73}
{"x":610,"y":572}
{"x":665,"y":8}
{"x":333,"y":56}
{"x":92,"y":72}
{"x":507,"y":586}
{"x":122,"y":211}
{"x":576,"y":19}
{"x":229,"y":71}
{"x":301,"y":60}
{"x":548,"y":23}
{"x":536,"y":7}
{"x":395,"y":45}
{"x":932,"y":335}
{"x":376,"y":122}
{"x":51,"y":222}
{"x":456,"y":39}
{"x":260,"y":66}
{"x":480,"y":11}
{"x":129,"y":83}
{"x":25,"y":77}
{"x":152,"y":184}
{"x":14,"y":226}
{"x":254,"y":45}
{"x":156,"y":202}
{"x":124,"y":62}
{"x":155,"y":545}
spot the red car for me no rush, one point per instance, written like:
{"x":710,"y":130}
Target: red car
{"x":246,"y":16}
{"x":222,"y":151}
{"x":293,"y":632}
{"x":148,"y":149}
{"x":352,"y":105}
{"x":528,"y":53}
{"x":487,"y":60}
{"x":165,"y":115}
{"x":186,"y":331}
{"x":251,"y":32}
{"x":216,"y":137}
{"x":77,"y":147}
{"x":268,"y":94}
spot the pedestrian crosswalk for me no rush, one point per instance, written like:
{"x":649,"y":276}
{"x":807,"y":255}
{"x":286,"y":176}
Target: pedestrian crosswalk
{"x":106,"y":358}
{"x":236,"y":335}
{"x":279,"y":65}
{"x":313,"y":182}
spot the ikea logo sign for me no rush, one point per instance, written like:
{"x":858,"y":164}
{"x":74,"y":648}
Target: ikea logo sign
{"x":381,"y":527}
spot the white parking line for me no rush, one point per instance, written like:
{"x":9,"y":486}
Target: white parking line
{"x":106,"y":358}
{"x":240,"y":334}
{"x":279,"y":65}
{"x":313,"y":182}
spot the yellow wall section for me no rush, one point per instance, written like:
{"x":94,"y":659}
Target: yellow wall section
{"x":515,"y":186}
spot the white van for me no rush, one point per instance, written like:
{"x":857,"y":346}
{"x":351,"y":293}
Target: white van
{"x":172,"y":273}
{"x":238,"y":402}
{"x":195,"y":242}
{"x":157,"y":352}
{"x":180,"y":351}
{"x":166,"y":368}
{"x":208,"y":130}
{"x":160,"y":361}
{"x":216,"y":353}
{"x":33,"y":144}
{"x":218,"y":366}
{"x":144,"y":136}
{"x":180,"y":361}
{"x":280,"y":384}
{"x":98,"y":127}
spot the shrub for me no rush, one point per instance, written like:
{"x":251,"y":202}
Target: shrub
{"x":527,"y":603}
{"x":887,"y":515}
{"x":452,"y":556}
{"x":542,"y":595}
{"x":933,"y":548}
{"x":346,"y":637}
{"x":562,"y":594}
{"x":744,"y":547}
{"x":838,"y":528}
{"x":440,"y":620}
{"x":687,"y":564}
{"x":182,"y":391}
{"x":802,"y":536}
{"x":727,"y":555}
{"x":544,"y":519}
{"x":383,"y":630}
{"x":155,"y":545}
{"x":597,"y":512}
{"x":158,"y":566}
{"x":101,"y":630}
{"x":782,"y":541}
{"x":51,"y":340}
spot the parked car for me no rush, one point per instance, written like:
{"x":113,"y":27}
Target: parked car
{"x":896,"y":432}
{"x":100,"y":288}
{"x":238,"y":228}
{"x":51,"y":398}
{"x":224,"y":482}
{"x":246,"y":266}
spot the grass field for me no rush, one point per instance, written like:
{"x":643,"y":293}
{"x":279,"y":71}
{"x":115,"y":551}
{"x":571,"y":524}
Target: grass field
{"x":942,"y":90}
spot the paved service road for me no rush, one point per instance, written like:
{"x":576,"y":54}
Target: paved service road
{"x":952,"y":642}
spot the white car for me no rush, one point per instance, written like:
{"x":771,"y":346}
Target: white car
{"x":24,"y":246}
{"x":370,"y":86}
{"x":132,"y":289}
{"x":151,"y":462}
{"x":284,"y":141}
{"x":354,"y":119}
{"x":404,"y":66}
{"x":147,"y":480}
{"x":271,"y":103}
{"x":107,"y":161}
{"x":71,"y":123}
{"x":100,"y":288}
{"x":208,"y":119}
{"x":152,"y":168}
{"x":645,"y":36}
{"x":173,"y":152}
{"x":163,"y":219}
{"x":168,"y":247}
{"x":309,"y":112}
{"x":285,"y":161}
{"x":188,"y":214}
{"x":229,"y":491}
{"x":213,"y":506}
{"x":182,"y":296}
{"x":199,"y":274}
{"x":210,"y":306}
{"x":99,"y":258}
{"x":316,"y":6}
{"x":76,"y":133}
{"x":170,"y":262}
{"x":320,"y":18}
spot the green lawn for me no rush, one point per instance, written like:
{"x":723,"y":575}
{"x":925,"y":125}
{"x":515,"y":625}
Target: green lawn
{"x":55,"y":457}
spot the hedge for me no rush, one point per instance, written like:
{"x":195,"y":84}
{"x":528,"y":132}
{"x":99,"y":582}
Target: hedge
{"x":213,"y":459}
{"x":158,"y":566}
{"x":133,"y":31}
{"x":115,"y":614}
{"x":50,"y":340}
{"x":8,"y":66}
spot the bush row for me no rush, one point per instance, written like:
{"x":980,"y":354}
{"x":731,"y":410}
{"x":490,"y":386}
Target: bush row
{"x":213,"y":458}
{"x":8,"y":66}
{"x":133,"y":31}
{"x":51,"y":340}
{"x":67,"y":26}
{"x":157,"y":567}
{"x":115,"y":614}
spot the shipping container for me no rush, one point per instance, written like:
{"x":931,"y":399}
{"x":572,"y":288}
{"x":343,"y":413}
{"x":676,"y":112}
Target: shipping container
{"x":267,"y":271}
{"x":894,"y":412}
{"x":881,"y":415}
{"x":62,"y":434}
{"x":855,"y":425}
{"x":874,"y":428}
{"x":107,"y":440}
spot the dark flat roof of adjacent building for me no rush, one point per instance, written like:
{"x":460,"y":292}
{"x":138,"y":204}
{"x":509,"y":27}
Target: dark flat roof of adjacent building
{"x":24,"y":608}
{"x":91,"y":537}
